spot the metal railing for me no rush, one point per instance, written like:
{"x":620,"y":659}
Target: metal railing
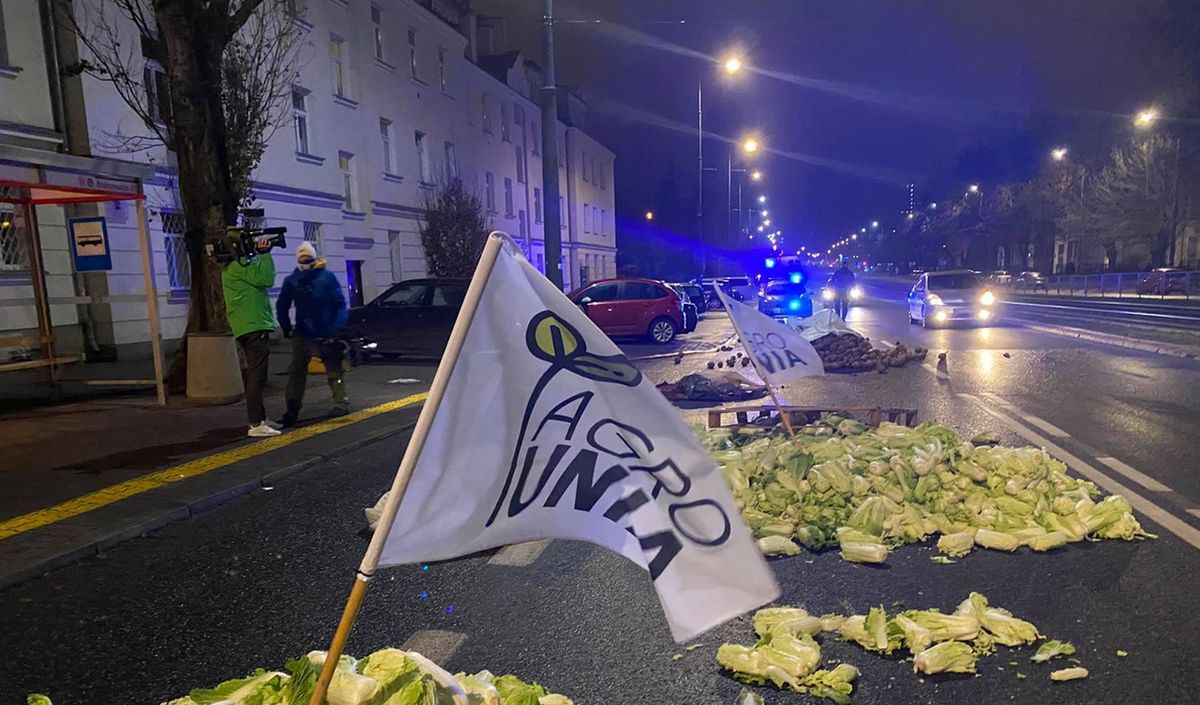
{"x":1116,"y":285}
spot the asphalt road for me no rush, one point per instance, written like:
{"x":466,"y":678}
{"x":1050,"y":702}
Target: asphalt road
{"x":262,"y":579}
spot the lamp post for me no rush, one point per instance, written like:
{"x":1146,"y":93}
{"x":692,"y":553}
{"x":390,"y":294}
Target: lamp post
{"x":1144,"y":120}
{"x":731,"y":66}
{"x":748,"y":146}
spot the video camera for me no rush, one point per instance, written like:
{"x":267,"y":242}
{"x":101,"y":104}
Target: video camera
{"x":240,"y":242}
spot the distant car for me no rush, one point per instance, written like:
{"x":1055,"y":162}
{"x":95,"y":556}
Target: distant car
{"x":632,"y":307}
{"x":738,"y":288}
{"x":711,"y":301}
{"x":784,"y":298}
{"x":412,"y":318}
{"x":694,"y":293}
{"x":1162,"y":281}
{"x":946,"y":297}
{"x":691,"y":312}
{"x":1000,"y":277}
{"x":1031,"y":281}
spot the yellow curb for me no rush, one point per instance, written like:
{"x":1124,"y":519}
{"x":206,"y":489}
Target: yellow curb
{"x":192,"y":468}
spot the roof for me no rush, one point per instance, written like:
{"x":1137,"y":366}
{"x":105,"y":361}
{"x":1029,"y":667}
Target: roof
{"x":498,"y":65}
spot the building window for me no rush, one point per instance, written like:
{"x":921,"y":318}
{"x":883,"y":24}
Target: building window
{"x":508,"y":198}
{"x":179,"y":266}
{"x":490,"y":195}
{"x":602,"y":175}
{"x":562,"y":210}
{"x":422,"y":158}
{"x":412,"y":53}
{"x":587,"y":218}
{"x":14,"y":241}
{"x":583,"y":166}
{"x":504,"y":133}
{"x":314,"y":235}
{"x":396,"y":252}
{"x":300,"y":119}
{"x":442,"y":69}
{"x":537,"y":205}
{"x":451,"y":161}
{"x":154,"y":80}
{"x":606,"y":224}
{"x":385,"y":140}
{"x":523,"y":221}
{"x":377,"y":30}
{"x":520,"y":150}
{"x":346,"y":166}
{"x":337,"y":57}
{"x":483,"y":110}
{"x":519,"y":118}
{"x":535,"y":136}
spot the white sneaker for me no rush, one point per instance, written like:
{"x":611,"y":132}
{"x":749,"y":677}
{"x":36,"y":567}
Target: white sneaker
{"x":262,"y":431}
{"x":272,"y":424}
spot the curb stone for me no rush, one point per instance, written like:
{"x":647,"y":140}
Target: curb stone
{"x":216,"y":499}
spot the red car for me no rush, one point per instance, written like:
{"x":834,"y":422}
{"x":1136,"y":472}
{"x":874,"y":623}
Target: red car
{"x":632,"y":307}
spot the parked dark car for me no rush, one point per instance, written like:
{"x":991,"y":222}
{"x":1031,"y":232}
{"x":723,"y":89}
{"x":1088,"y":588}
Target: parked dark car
{"x":785,"y":298}
{"x":691,"y":312}
{"x":1030,"y":281}
{"x":412,"y":318}
{"x":632,"y":307}
{"x":695,"y":293}
{"x":1164,"y":281}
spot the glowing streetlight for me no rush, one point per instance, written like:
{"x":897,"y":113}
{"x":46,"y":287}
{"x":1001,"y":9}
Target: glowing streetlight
{"x":874,"y":223}
{"x":911,"y":215}
{"x":760,"y":228}
{"x":1146,"y":118}
{"x":750,"y":145}
{"x":763,"y":213}
{"x":767,"y":222}
{"x":973,"y":188}
{"x":863,"y":230}
{"x":732,"y":65}
{"x":649,"y":215}
{"x":756,"y":175}
{"x":854,"y":236}
{"x":762,"y":199}
{"x":933,"y":205}
{"x":1058,"y":154}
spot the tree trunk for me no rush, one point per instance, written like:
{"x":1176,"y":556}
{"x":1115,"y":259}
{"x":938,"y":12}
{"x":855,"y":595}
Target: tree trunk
{"x":193,"y":37}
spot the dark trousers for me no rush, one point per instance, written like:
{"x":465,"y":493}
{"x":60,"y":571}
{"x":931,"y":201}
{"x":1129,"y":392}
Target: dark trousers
{"x":256,"y":349}
{"x":331,"y":354}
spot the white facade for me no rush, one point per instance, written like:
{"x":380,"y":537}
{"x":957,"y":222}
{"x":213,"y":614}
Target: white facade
{"x":387,"y":106}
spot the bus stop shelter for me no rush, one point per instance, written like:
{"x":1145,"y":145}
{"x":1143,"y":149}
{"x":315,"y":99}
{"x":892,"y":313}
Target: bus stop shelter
{"x":30,"y":178}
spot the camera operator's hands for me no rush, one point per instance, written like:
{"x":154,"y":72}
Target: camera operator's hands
{"x":262,"y":244}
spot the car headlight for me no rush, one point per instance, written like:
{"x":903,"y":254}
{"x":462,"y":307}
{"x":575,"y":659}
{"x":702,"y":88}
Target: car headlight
{"x":827,"y":294}
{"x":856,"y":292}
{"x":934,"y":300}
{"x":987,"y":299}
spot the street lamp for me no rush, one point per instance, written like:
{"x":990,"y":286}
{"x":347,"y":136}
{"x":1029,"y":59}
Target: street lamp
{"x":767,"y":222}
{"x":1146,"y":118}
{"x":750,"y":145}
{"x":764,"y":213}
{"x":649,"y":215}
{"x":854,"y":236}
{"x":973,"y":188}
{"x":911,"y":215}
{"x":862,"y":230}
{"x":760,"y":228}
{"x":1058,"y":154}
{"x":732,"y":65}
{"x":874,"y":223}
{"x":756,"y":175}
{"x":762,"y":199}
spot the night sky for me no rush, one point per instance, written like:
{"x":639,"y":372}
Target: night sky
{"x":855,"y":98}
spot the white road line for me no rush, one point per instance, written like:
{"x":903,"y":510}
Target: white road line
{"x":1033,"y":420}
{"x":1134,"y":474}
{"x":1162,"y":517}
{"x":435,"y":644}
{"x":519,"y":554}
{"x":1194,"y":512}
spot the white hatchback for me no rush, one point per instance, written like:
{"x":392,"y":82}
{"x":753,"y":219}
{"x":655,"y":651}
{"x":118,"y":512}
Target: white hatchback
{"x":940,"y":298}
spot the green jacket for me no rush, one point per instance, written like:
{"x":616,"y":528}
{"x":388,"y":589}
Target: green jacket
{"x":246,"y":301}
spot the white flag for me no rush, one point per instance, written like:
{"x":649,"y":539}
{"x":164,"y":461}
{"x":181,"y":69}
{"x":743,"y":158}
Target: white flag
{"x":547,"y":431}
{"x":780,"y":354}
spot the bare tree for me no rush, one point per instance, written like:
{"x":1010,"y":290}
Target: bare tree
{"x":454,"y":231}
{"x":229,"y":66}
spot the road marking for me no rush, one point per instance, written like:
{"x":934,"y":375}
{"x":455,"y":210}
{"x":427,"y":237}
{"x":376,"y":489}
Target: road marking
{"x":1134,"y":474}
{"x":192,"y":468}
{"x":437,"y":645}
{"x":1033,"y":420}
{"x":1194,"y":512}
{"x":519,"y":554}
{"x":1162,"y":517}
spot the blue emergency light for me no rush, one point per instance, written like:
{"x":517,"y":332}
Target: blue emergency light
{"x":770,"y":263}
{"x":796,"y":277}
{"x":794,"y":304}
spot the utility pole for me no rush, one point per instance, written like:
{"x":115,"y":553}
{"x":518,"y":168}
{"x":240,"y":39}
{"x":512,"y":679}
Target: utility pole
{"x":552,"y":233}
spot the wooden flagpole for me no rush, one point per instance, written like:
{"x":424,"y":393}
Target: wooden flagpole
{"x":441,"y":379}
{"x":783,"y":415}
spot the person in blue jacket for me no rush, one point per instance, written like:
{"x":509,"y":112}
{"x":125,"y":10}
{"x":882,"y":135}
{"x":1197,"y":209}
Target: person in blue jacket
{"x":320,"y":316}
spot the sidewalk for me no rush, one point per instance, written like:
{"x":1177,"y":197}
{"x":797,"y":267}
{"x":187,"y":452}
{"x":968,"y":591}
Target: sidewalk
{"x":79,"y":477}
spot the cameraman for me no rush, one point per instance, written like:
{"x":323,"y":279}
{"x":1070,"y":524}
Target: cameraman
{"x":245,"y":282}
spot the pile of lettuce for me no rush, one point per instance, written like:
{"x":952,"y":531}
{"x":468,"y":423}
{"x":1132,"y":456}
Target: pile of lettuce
{"x":787,"y":655}
{"x":868,"y":490}
{"x":386,"y":677}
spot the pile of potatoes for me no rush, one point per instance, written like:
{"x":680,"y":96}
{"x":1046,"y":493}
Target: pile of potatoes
{"x":850,"y":352}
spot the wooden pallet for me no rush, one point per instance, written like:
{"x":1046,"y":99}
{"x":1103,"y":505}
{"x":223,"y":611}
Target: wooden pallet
{"x":801,"y":415}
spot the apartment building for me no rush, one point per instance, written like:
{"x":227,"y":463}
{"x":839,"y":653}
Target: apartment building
{"x":392,"y":100}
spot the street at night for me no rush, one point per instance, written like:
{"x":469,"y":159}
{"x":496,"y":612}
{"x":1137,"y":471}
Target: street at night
{"x":599,"y":352}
